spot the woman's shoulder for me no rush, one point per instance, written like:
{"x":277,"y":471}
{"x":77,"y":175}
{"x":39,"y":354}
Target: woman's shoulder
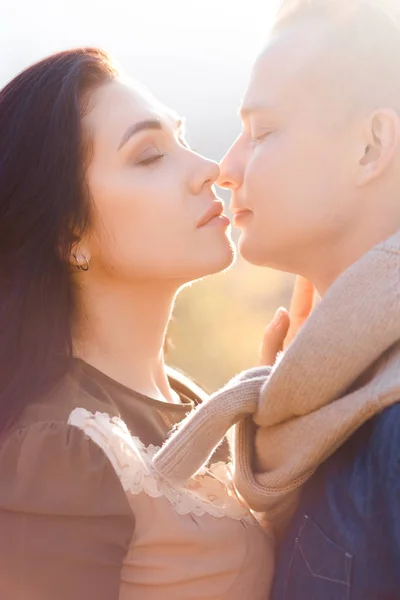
{"x":63,"y":511}
{"x":54,"y":467}
{"x":74,"y":390}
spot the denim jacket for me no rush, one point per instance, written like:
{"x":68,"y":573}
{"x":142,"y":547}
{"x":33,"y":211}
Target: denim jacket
{"x":344,"y":540}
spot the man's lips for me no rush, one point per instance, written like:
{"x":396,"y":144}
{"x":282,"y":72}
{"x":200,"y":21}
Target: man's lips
{"x":239,"y":211}
{"x":240,"y":216}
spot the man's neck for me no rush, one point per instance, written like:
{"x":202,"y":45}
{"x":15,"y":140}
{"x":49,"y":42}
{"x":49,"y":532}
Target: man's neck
{"x":333,"y":263}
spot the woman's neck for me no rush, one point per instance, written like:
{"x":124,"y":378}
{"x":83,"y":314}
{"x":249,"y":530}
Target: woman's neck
{"x":121,"y":329}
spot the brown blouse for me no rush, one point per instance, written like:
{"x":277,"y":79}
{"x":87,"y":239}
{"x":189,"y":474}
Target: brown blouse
{"x":84,"y":516}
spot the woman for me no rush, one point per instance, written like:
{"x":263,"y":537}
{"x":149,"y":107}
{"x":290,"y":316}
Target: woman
{"x":105,"y":213}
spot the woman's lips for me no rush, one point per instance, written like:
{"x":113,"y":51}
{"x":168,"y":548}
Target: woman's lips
{"x":214,"y":216}
{"x":219,"y":221}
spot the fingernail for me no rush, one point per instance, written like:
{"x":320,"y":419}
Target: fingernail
{"x":276,"y":321}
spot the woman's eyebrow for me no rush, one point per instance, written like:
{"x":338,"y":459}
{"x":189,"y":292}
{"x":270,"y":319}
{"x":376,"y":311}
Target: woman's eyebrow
{"x":140,"y":126}
{"x":147,"y":124}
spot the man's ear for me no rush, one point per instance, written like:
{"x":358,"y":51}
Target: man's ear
{"x":381,"y":142}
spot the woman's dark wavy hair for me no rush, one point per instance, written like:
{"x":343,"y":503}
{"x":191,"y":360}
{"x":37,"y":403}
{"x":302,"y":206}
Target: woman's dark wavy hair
{"x":44,"y":209}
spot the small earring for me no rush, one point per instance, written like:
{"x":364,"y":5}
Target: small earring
{"x":79,"y":266}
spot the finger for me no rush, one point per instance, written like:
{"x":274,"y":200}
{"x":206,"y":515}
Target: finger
{"x":274,"y":336}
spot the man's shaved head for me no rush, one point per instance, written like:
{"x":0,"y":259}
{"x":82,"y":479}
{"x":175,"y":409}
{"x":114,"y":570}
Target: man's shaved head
{"x":361,"y":49}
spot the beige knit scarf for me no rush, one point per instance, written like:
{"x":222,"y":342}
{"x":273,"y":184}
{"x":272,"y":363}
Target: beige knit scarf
{"x":341,"y":369}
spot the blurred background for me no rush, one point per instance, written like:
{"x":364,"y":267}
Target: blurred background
{"x":196,"y":56}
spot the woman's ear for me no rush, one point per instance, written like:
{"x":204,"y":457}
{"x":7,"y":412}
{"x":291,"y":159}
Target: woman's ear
{"x":80,"y":257}
{"x":381,"y":141}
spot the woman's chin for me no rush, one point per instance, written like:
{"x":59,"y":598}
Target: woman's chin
{"x":218,"y":260}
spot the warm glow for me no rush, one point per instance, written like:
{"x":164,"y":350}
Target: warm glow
{"x":196,"y":56}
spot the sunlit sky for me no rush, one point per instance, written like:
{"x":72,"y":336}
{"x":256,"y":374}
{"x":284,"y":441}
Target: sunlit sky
{"x":195,"y":55}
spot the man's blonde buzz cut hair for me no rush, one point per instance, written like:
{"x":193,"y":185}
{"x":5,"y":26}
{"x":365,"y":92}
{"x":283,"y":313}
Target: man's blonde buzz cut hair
{"x":340,"y":10}
{"x":363,"y":42}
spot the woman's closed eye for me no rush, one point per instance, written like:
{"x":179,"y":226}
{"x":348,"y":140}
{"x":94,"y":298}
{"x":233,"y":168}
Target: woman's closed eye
{"x":151,"y":154}
{"x":149,"y":157}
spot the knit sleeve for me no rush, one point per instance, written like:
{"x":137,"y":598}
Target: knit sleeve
{"x":194,"y":441}
{"x":65,"y":521}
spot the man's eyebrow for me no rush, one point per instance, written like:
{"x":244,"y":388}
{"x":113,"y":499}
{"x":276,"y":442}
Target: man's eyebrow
{"x":143,"y":125}
{"x":180,"y":124}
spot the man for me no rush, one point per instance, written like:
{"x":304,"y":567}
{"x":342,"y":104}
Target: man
{"x":315,"y":180}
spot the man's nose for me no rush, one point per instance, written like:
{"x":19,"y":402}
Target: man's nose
{"x":231,"y":169}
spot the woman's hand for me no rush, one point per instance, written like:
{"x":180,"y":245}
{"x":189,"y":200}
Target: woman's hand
{"x":285,"y":325}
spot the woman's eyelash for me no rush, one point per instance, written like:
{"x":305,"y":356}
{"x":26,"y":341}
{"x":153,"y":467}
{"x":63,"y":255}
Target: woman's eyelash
{"x":151,"y":159}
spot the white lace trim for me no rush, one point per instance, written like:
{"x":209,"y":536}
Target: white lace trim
{"x":211,"y":491}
